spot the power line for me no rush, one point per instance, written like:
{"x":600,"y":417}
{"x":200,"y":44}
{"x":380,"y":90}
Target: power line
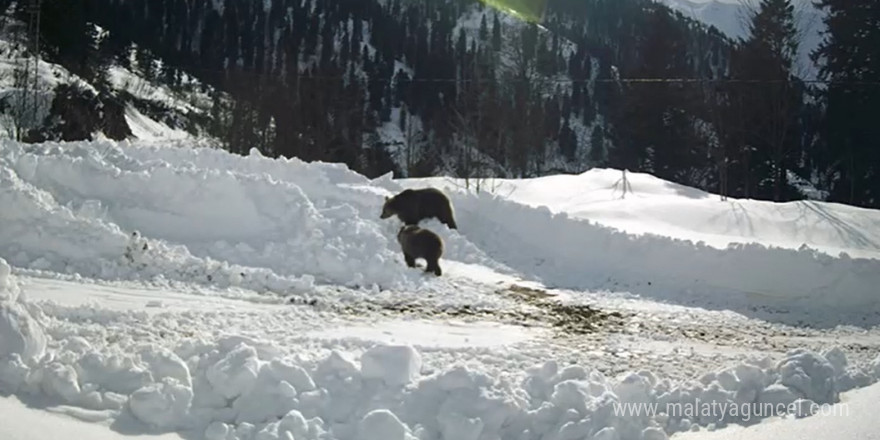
{"x":679,"y":80}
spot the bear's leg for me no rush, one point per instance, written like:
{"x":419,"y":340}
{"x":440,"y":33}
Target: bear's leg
{"x":410,"y":261}
{"x":434,"y":266}
{"x":447,"y":219}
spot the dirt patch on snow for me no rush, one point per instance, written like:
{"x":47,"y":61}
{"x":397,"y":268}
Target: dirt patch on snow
{"x":533,"y":308}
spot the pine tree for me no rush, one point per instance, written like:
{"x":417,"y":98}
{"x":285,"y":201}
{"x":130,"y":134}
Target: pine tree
{"x":772,"y":100}
{"x":496,"y":34}
{"x":851,"y":131}
{"x":597,"y":146}
{"x":657,"y":135}
{"x":484,"y":29}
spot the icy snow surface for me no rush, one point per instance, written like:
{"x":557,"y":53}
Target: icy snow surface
{"x":154,"y":289}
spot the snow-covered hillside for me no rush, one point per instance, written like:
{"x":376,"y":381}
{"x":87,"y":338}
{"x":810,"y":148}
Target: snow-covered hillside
{"x":151,"y":109}
{"x":732,"y":18}
{"x":157,"y":289}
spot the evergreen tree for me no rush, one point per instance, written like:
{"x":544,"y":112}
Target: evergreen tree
{"x":658,"y":131}
{"x":772,"y":98}
{"x":851,"y":131}
{"x":496,"y":33}
{"x":484,"y":29}
{"x":597,"y":146}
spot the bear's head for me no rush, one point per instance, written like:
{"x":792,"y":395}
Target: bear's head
{"x":388,"y":209}
{"x":406,"y":230}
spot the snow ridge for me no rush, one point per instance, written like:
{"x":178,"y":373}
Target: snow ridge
{"x":119,"y":211}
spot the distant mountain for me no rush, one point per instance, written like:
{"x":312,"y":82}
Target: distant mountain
{"x":732,"y":18}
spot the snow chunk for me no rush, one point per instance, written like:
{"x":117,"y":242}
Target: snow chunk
{"x":217,"y":431}
{"x":459,"y":377}
{"x":4,"y":276}
{"x":162,"y":405}
{"x":292,"y":374}
{"x":654,"y":433}
{"x":396,"y":365}
{"x":236,"y":373}
{"x":268,"y":399}
{"x":60,"y":380}
{"x":164,"y":363}
{"x":837,"y":358}
{"x":294,"y":423}
{"x":337,"y":365}
{"x":457,"y":426}
{"x":20,"y":333}
{"x":382,"y":424}
{"x":113,"y":373}
{"x":608,"y":433}
{"x":777,"y":395}
{"x":13,"y":373}
{"x":810,"y":375}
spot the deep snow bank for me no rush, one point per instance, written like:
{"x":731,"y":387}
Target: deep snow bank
{"x":566,"y":252}
{"x":117,"y":211}
{"x":656,"y":206}
{"x":147,"y":211}
{"x":235,"y":387}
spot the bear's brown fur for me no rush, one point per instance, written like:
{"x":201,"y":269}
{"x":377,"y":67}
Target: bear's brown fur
{"x":413,"y":205}
{"x":421,"y":243}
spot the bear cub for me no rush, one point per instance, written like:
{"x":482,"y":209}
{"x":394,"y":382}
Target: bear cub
{"x":421,"y":243}
{"x":414,"y":205}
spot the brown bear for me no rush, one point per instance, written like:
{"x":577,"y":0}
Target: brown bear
{"x":421,"y":243}
{"x":413,"y":205}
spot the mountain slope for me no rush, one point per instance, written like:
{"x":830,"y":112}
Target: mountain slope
{"x":128,"y":101}
{"x":732,"y":18}
{"x":471,"y":79}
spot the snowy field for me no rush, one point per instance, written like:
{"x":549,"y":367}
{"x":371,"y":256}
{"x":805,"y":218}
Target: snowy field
{"x":147,"y":289}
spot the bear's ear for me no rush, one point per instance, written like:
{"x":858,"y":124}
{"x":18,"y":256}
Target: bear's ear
{"x":387,"y":198}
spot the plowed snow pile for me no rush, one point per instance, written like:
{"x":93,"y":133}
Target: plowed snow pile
{"x":120,"y":211}
{"x":282,"y":228}
{"x":654,"y":206}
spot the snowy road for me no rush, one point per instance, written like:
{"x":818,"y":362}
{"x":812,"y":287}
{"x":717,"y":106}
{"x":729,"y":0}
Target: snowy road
{"x":672,"y":341}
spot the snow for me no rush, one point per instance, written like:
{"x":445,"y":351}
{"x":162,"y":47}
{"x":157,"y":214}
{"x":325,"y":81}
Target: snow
{"x":852,"y":418}
{"x":123,"y":79}
{"x":393,"y":364}
{"x":655,"y":206}
{"x":670,"y":241}
{"x":450,"y":334}
{"x":20,"y":422}
{"x":156,"y":289}
{"x":143,"y":127}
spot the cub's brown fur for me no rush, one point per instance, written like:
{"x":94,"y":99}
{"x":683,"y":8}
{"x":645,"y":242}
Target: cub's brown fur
{"x":421,"y":243}
{"x":413,"y":205}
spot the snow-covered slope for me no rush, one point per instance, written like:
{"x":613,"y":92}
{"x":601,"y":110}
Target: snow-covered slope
{"x":732,"y":18}
{"x":654,"y":206}
{"x":131,"y":88}
{"x":156,"y":289}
